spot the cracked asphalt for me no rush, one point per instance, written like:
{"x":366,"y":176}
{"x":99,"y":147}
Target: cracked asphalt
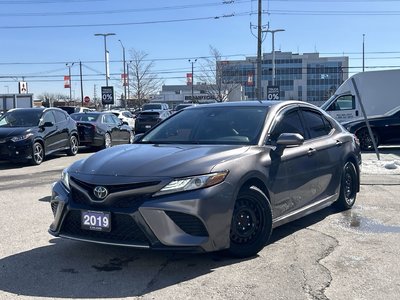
{"x":326,"y":255}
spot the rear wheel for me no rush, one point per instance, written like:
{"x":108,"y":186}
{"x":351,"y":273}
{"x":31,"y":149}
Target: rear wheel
{"x":348,"y":187}
{"x":365,"y":139}
{"x":73,"y":146}
{"x":251,"y":223}
{"x":131,"y":137}
{"x":37,"y":154}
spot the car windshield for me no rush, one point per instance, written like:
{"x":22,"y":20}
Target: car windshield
{"x":86,"y":117}
{"x":21,"y":118}
{"x":210,"y":125}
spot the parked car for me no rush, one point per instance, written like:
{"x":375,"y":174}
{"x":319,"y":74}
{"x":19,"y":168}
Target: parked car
{"x":211,"y":177}
{"x":75,"y":109}
{"x":125,"y":116}
{"x":102,"y":129}
{"x":34,"y":133}
{"x":182,"y":106}
{"x":148,"y":119}
{"x":385,"y":129}
{"x":155,"y":106}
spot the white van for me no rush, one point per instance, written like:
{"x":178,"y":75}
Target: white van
{"x":379,"y":92}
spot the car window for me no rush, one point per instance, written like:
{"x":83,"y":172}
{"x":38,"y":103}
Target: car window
{"x":60,"y":116}
{"x":115,"y":119}
{"x":108,"y":119}
{"x":286,"y":122}
{"x":317,"y":124}
{"x":345,"y":102}
{"x":48,"y":117}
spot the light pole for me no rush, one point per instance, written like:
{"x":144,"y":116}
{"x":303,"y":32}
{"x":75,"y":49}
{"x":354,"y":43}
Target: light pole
{"x":105,"y":35}
{"x":69,"y":65}
{"x":192,"y":62}
{"x":124,"y":77}
{"x":273,"y":52}
{"x":127,"y":78}
{"x":363,"y":53}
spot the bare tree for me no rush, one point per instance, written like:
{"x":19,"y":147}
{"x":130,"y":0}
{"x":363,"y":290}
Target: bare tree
{"x":143,"y":82}
{"x":215,"y":78}
{"x":49,"y":98}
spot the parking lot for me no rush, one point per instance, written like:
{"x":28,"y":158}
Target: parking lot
{"x":327,"y":255}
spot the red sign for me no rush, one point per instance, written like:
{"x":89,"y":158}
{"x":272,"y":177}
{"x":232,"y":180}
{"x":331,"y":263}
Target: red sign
{"x":86,"y":99}
{"x":67,"y":82}
{"x":124,"y":79}
{"x":189,"y":78}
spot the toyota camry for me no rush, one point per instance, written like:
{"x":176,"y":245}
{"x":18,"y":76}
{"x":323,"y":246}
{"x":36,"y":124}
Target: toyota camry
{"x":209,"y":178}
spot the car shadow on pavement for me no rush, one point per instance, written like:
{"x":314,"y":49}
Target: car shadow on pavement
{"x":70,"y":269}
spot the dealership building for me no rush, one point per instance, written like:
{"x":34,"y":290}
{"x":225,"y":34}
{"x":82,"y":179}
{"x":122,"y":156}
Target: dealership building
{"x":307,"y":77}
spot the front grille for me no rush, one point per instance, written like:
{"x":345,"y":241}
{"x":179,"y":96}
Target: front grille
{"x":114,"y":188}
{"x":123,"y":229}
{"x":125,"y":201}
{"x":188,"y":223}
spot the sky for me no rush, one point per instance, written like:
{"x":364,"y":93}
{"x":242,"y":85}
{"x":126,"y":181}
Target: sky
{"x":39,"y":37}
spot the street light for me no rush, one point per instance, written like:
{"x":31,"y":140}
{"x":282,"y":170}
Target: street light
{"x":127,"y":77}
{"x":105,"y":52}
{"x":124,"y":78}
{"x":69,"y":65}
{"x":273,"y":51}
{"x":192,"y":62}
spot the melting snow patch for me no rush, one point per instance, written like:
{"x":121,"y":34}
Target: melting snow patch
{"x":392,"y":165}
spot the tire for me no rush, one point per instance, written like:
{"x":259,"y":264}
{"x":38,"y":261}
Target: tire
{"x":348,"y":187}
{"x":107,"y":141}
{"x":37,"y":154}
{"x":366,"y":143}
{"x":251,"y":224}
{"x":73,"y":146}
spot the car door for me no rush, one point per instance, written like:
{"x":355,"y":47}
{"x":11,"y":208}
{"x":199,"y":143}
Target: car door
{"x":291,"y":173}
{"x":49,"y":131}
{"x":389,"y":131}
{"x":112,"y":126}
{"x":327,"y":147}
{"x":62,"y":129}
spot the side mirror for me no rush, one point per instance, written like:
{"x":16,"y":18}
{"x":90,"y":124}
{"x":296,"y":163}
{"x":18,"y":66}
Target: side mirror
{"x":124,"y":123}
{"x":47,"y":124}
{"x":286,"y":140}
{"x":137,"y":137}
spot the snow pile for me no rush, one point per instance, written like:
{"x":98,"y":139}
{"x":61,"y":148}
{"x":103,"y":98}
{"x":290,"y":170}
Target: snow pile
{"x":374,"y":166}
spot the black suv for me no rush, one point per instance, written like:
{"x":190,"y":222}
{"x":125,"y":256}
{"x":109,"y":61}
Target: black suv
{"x":32,"y":133}
{"x":147,"y":119}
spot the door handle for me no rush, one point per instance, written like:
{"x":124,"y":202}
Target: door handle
{"x":311,"y":151}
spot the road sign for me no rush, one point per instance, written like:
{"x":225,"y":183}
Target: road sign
{"x":86,"y":99}
{"x":273,"y":92}
{"x":107,"y":95}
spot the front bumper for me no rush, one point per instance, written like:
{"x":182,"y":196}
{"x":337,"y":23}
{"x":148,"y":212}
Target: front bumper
{"x":20,"y":150}
{"x":190,"y":221}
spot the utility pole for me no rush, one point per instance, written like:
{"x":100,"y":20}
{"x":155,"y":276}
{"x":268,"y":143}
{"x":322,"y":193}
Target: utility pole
{"x":106,"y":54}
{"x":70,"y":79}
{"x":363,"y":55}
{"x":80,"y":69}
{"x":192,"y":62}
{"x":124,"y":76}
{"x":259,"y":43}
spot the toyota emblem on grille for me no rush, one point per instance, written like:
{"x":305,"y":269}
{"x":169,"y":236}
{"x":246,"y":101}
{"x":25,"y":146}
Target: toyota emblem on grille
{"x":100,"y":192}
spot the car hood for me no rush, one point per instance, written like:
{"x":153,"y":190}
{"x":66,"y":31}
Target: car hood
{"x":155,"y":161}
{"x":6,"y":132}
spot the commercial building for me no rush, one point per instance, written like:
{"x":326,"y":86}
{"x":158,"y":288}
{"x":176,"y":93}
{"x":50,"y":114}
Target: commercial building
{"x":307,"y":77}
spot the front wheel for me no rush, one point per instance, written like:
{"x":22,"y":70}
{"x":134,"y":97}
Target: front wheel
{"x":131,"y":137}
{"x":37,"y":154}
{"x":73,"y":146}
{"x":366,"y":143}
{"x":251,"y":223}
{"x":348,"y":187}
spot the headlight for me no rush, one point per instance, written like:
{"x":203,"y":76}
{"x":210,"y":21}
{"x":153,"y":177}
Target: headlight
{"x":21,"y":137}
{"x":192,"y":183}
{"x":65,"y":178}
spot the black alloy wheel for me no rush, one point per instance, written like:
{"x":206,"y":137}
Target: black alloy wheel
{"x":37,"y":154}
{"x":366,"y":143}
{"x":348,"y":187}
{"x":251,"y":223}
{"x":73,"y":146}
